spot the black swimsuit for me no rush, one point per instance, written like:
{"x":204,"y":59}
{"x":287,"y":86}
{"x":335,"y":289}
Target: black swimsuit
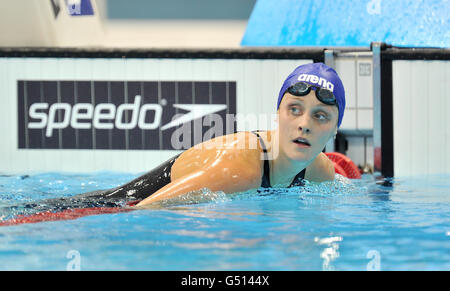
{"x":141,"y":187}
{"x":265,"y":183}
{"x":130,"y":193}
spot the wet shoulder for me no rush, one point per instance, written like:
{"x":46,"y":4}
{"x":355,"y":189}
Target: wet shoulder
{"x":320,"y":170}
{"x":235,"y":155}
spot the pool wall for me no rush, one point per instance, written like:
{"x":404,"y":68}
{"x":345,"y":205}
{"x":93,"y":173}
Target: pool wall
{"x":421,"y":120}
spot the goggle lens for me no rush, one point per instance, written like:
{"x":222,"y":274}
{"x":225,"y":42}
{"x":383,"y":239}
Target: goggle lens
{"x":303,"y":89}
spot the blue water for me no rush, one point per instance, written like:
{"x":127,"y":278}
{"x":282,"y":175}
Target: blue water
{"x":344,"y":225}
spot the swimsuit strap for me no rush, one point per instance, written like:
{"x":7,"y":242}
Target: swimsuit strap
{"x":265,"y":183}
{"x":298,"y":180}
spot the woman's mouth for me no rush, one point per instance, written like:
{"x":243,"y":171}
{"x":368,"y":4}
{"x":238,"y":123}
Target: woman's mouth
{"x":302,"y":142}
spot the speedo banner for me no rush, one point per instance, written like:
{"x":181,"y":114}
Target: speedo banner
{"x":135,"y":115}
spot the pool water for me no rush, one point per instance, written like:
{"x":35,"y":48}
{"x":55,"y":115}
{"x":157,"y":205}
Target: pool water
{"x":401,"y":224}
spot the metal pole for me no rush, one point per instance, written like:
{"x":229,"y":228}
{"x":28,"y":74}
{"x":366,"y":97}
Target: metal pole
{"x":376,"y":50}
{"x":329,"y":61}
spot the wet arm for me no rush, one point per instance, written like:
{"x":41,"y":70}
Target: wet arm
{"x":218,"y":178}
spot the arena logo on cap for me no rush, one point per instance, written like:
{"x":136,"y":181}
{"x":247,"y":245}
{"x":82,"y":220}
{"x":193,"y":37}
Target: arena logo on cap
{"x":316,"y":80}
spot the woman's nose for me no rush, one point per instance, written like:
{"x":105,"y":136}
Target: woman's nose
{"x":304,"y":129}
{"x":304,"y":124}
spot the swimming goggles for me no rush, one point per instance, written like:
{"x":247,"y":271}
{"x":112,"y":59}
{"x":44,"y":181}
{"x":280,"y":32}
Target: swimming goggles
{"x":303,"y":89}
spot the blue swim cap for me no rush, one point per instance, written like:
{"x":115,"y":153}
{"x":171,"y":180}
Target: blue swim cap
{"x":317,"y":74}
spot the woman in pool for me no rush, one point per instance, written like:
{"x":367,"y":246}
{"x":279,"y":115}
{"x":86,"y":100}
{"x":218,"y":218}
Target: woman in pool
{"x":310,"y":109}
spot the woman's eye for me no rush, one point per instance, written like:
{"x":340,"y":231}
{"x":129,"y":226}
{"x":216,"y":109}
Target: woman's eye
{"x":295,"y":110}
{"x":321,"y":116}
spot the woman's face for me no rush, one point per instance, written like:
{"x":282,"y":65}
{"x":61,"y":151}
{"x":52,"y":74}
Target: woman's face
{"x":306,"y":118}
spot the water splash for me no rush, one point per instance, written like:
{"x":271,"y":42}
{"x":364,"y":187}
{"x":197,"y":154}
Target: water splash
{"x":203,"y":195}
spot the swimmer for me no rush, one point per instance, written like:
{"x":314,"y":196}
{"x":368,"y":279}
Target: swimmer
{"x":310,"y":109}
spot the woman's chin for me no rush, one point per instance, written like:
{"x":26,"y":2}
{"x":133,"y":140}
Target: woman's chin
{"x":300,"y":156}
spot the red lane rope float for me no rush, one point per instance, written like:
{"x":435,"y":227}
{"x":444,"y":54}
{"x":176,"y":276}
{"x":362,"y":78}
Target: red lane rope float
{"x":338,"y":170}
{"x":68,"y":214}
{"x":344,"y":165}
